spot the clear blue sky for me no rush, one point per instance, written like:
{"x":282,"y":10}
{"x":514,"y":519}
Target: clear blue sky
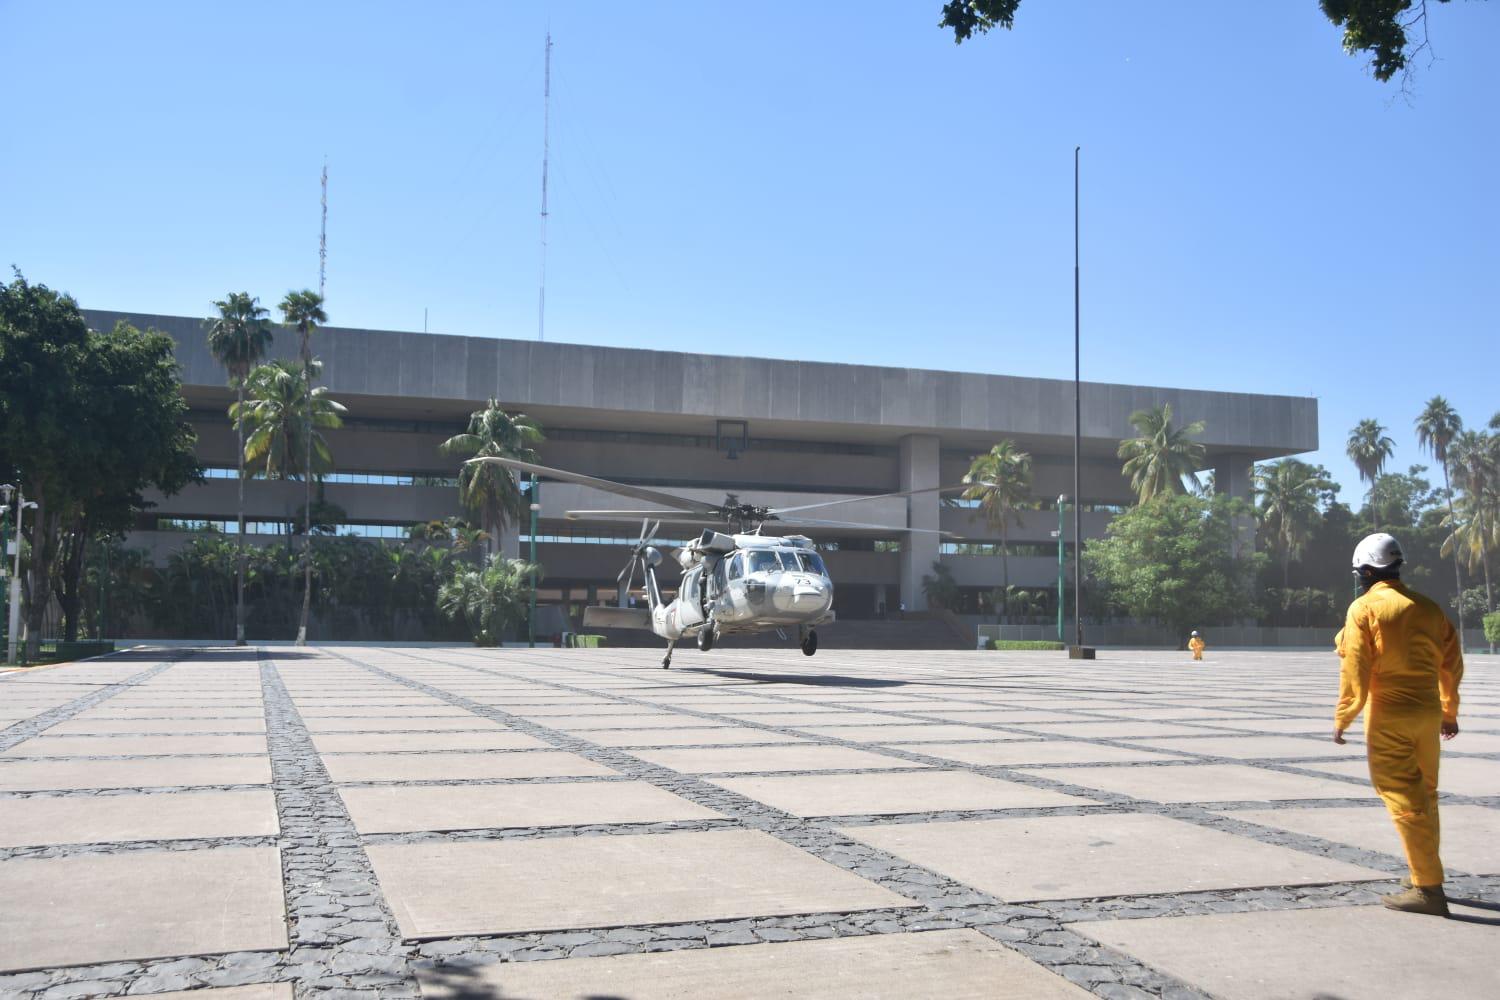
{"x":822,"y":181}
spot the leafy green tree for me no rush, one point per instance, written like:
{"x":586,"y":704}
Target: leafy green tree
{"x":940,"y":589}
{"x":89,"y":421}
{"x":1170,"y":560}
{"x":492,"y":491}
{"x":1385,"y":29}
{"x":1164,"y":457}
{"x":1492,"y":629}
{"x":238,"y":337}
{"x":1437,"y":425}
{"x":1288,"y":494}
{"x":280,"y":432}
{"x":1369,"y":449}
{"x":304,"y":310}
{"x":490,"y":599}
{"x":1001,"y":482}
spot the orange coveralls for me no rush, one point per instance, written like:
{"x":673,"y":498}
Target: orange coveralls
{"x":1401,"y":662}
{"x":1196,"y":645}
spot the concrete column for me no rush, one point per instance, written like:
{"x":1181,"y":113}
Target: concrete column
{"x":919,"y":468}
{"x":1234,"y":475}
{"x":510,"y":540}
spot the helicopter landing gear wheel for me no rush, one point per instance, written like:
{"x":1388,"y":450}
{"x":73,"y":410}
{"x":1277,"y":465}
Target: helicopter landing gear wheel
{"x":809,"y":642}
{"x":706,"y":638}
{"x":666,"y":663}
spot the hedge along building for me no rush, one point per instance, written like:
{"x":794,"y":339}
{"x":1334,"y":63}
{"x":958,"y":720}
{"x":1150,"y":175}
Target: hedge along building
{"x":774,"y":432}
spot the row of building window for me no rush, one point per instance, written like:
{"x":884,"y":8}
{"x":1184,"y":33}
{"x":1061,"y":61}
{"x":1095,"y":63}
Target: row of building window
{"x":213,"y":526}
{"x":355,"y":478}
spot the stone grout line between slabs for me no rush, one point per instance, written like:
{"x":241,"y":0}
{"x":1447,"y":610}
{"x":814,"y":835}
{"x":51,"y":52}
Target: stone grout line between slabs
{"x":938,"y":901}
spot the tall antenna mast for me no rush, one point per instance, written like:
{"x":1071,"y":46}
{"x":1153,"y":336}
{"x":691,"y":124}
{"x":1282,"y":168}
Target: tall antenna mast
{"x":541,"y":304}
{"x":323,"y":236}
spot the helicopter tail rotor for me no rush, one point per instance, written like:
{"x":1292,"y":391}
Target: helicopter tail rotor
{"x":638,"y":554}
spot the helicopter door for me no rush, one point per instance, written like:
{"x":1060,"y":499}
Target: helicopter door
{"x":690,"y":598}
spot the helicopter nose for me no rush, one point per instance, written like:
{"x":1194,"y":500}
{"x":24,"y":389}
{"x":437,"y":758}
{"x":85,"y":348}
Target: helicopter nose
{"x":810,"y":595}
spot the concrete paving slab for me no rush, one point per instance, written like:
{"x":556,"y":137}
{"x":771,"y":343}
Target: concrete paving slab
{"x":144,"y":904}
{"x":1456,"y":775}
{"x":955,"y":964}
{"x":1359,"y":951}
{"x":259,"y":991}
{"x":801,"y":720}
{"x":106,"y":713}
{"x":130,"y":746}
{"x":697,"y":736}
{"x":448,"y":889}
{"x":892,"y":793}
{"x":400,"y":809}
{"x":1318,"y":727}
{"x":437,"y":710}
{"x":1246,"y":747}
{"x":1470,"y":741}
{"x":32,"y":776}
{"x":1085,"y":857}
{"x":97,"y":726}
{"x":1206,"y":783}
{"x":121,"y":818}
{"x":728,"y":760}
{"x":459,"y":766}
{"x":1006,"y":754}
{"x":1470,"y":834}
{"x":500,"y":739}
{"x":1002,"y":716}
{"x":376,"y":724}
{"x":639,"y":720}
{"x":909,"y":733}
{"x":1120,"y":730}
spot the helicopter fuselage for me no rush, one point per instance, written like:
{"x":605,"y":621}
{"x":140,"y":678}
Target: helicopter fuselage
{"x":760,"y":583}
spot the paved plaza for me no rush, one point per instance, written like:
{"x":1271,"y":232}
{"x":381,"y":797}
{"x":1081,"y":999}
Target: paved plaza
{"x":466,"y":823}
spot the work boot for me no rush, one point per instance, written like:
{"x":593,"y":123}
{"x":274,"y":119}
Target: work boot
{"x":1419,"y":899}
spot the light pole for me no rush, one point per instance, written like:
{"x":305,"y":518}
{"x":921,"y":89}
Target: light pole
{"x":6,"y":489}
{"x":1078,"y":650}
{"x":1062,"y":505}
{"x":14,"y":621}
{"x":536,"y":508}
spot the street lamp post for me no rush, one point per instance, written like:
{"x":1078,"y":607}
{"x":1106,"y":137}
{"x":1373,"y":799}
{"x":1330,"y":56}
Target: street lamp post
{"x":536,"y":509}
{"x":6,"y":489}
{"x":1062,"y":505}
{"x":14,"y":621}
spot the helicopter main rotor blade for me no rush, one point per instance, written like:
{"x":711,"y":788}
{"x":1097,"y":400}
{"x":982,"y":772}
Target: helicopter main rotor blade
{"x":811,"y":523}
{"x":575,"y":515}
{"x":607,"y":485}
{"x":878,"y":496}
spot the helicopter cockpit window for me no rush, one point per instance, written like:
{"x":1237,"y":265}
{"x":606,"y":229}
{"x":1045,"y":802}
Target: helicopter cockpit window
{"x":719,"y":571}
{"x":813,"y":563}
{"x":736,"y":567}
{"x":763,"y":561}
{"x":789,"y":560}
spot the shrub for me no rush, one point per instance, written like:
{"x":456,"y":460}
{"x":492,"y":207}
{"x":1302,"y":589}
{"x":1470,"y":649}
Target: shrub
{"x":999,"y":644}
{"x":1492,"y":627}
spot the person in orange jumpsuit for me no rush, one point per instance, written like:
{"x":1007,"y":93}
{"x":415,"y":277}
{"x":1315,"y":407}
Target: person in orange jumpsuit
{"x":1196,"y":644}
{"x":1401,"y":662}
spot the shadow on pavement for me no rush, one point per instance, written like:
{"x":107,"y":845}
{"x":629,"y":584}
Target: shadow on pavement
{"x":815,"y":680}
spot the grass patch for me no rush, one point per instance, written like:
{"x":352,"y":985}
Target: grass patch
{"x":1013,"y":644}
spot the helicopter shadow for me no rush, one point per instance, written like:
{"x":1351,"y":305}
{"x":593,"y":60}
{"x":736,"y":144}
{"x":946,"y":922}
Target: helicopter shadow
{"x":811,"y":680}
{"x":458,"y":982}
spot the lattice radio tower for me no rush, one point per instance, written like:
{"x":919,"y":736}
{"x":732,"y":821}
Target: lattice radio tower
{"x":323,"y":236}
{"x":541,"y":304}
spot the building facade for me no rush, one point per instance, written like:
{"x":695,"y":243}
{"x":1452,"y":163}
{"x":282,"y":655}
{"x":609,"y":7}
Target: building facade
{"x":772,"y":432}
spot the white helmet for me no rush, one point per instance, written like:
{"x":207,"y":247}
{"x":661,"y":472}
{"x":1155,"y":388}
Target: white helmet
{"x":1195,"y":632}
{"x":1378,"y":551}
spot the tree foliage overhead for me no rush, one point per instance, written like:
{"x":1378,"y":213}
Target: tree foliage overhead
{"x":486,"y":489}
{"x":1392,"y":32}
{"x":276,"y":416}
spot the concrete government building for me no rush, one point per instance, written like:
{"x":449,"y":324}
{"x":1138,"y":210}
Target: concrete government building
{"x":774,"y":432}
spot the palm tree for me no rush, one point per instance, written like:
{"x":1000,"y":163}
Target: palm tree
{"x":1437,"y":425}
{"x":1368,"y":448}
{"x":1001,"y":479}
{"x":276,"y":414}
{"x":1476,"y":468}
{"x":238,"y":338}
{"x":488,"y":599}
{"x":488,"y":490}
{"x":1163,"y":457}
{"x":1289,"y":506}
{"x":304,"y":310}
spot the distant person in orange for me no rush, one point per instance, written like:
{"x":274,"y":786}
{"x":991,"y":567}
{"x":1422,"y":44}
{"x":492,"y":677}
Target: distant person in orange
{"x":1197,"y":645}
{"x":1401,"y":662}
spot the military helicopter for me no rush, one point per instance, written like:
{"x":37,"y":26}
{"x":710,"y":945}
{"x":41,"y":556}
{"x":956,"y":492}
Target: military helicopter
{"x":738,"y":582}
